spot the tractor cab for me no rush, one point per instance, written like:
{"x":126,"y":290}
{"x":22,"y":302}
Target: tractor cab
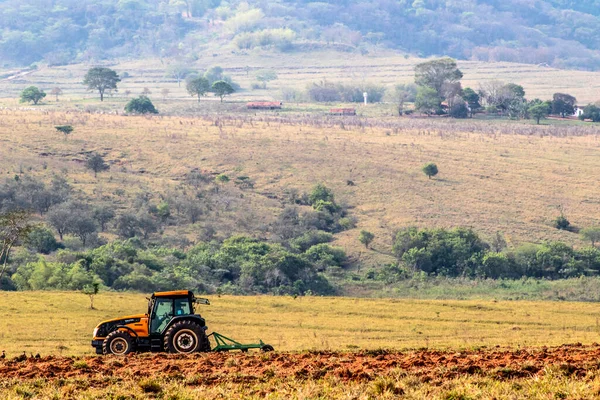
{"x":164,"y":306}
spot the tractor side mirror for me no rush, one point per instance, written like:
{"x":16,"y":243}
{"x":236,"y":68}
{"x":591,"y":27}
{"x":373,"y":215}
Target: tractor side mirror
{"x":201,"y":300}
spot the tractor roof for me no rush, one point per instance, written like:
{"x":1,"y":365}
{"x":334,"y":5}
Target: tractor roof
{"x":172,"y":293}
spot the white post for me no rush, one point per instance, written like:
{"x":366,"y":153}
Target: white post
{"x":365,"y":95}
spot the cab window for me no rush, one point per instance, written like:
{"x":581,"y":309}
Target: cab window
{"x":182,"y":307}
{"x":163,"y":312}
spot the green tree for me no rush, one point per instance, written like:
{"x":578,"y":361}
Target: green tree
{"x":592,"y":112}
{"x":32,"y":93}
{"x":265,"y":76}
{"x":435,"y":74}
{"x":65,"y":130}
{"x":222,"y":89}
{"x":366,"y":238}
{"x":472,"y":99}
{"x":198,"y":86}
{"x":427,"y":100}
{"x":430,"y":169}
{"x":592,"y":234}
{"x":101,"y":79}
{"x":96,"y":163}
{"x":41,"y":240}
{"x":538,"y":111}
{"x":563,"y":104}
{"x":140,"y":105}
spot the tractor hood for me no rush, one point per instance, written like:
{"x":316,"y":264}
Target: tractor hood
{"x":104,"y":327}
{"x":125,"y":318}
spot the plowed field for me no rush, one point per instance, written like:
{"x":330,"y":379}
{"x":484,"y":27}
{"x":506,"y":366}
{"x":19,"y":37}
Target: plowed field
{"x":217,"y":368}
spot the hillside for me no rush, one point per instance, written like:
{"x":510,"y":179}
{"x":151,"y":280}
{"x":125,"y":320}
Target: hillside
{"x":559,"y":33}
{"x":494,"y":177}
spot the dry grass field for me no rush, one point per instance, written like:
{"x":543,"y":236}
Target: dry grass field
{"x":493,"y":176}
{"x":61,"y":323}
{"x":329,"y":348}
{"x":297,"y":70}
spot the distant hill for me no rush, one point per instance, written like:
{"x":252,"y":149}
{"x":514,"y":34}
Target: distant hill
{"x":559,"y":33}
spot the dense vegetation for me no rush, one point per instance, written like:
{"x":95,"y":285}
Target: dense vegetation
{"x":556,"y":32}
{"x":292,"y":260}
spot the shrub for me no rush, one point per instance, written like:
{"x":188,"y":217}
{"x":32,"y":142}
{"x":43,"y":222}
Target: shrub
{"x":366,"y":238}
{"x":41,"y":240}
{"x":562,"y":223}
{"x":140,"y":105}
{"x":430,"y":170}
{"x":309,"y":239}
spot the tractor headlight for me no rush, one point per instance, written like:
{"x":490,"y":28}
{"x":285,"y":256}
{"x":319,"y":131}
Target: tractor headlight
{"x":95,"y":332}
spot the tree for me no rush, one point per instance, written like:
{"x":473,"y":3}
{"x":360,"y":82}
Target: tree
{"x":459,"y":109}
{"x":32,"y":93}
{"x":436,"y":73}
{"x":178,"y":72}
{"x":563,"y":104}
{"x":198,"y":86}
{"x":404,"y":93}
{"x":56,"y":92}
{"x":59,"y":217}
{"x":91,"y":291}
{"x":427,"y":100}
{"x":538,"y":111}
{"x":103,"y":214}
{"x":82,"y":225}
{"x":472,"y":99}
{"x":222,"y":89}
{"x":266,"y":75}
{"x":592,"y":112}
{"x":366,"y":238}
{"x":101,"y":79}
{"x":14,"y":226}
{"x":430,"y":169}
{"x":592,"y":234}
{"x":64,"y":129}
{"x":41,"y":240}
{"x":165,"y":93}
{"x":96,"y":163}
{"x":140,"y":105}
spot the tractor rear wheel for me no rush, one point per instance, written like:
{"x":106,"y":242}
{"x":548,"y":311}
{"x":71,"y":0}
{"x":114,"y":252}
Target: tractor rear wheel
{"x":186,"y":337}
{"x":118,"y":343}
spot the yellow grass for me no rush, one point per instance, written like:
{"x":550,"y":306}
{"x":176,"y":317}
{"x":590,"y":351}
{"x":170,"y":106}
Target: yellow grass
{"x":62,"y":323}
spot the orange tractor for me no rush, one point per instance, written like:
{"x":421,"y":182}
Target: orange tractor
{"x":169,"y":325}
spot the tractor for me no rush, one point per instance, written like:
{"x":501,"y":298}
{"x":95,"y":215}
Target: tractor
{"x":169,"y":325}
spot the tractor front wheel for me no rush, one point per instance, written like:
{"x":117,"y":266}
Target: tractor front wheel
{"x":118,"y":343}
{"x":186,"y":337}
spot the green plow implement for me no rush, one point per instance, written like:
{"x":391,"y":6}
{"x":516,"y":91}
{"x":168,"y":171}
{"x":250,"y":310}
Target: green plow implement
{"x":227,"y":344}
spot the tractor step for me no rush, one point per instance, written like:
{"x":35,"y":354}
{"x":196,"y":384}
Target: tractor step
{"x":156,"y":345}
{"x":223,"y":343}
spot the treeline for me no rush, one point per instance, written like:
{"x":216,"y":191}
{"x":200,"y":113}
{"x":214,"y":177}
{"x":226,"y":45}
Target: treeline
{"x":291,"y":257}
{"x":460,"y":252}
{"x":559,"y":33}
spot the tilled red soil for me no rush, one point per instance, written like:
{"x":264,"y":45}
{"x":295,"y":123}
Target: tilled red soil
{"x":214,"y":368}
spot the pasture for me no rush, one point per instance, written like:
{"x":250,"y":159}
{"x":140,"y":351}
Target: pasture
{"x":61,"y":323}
